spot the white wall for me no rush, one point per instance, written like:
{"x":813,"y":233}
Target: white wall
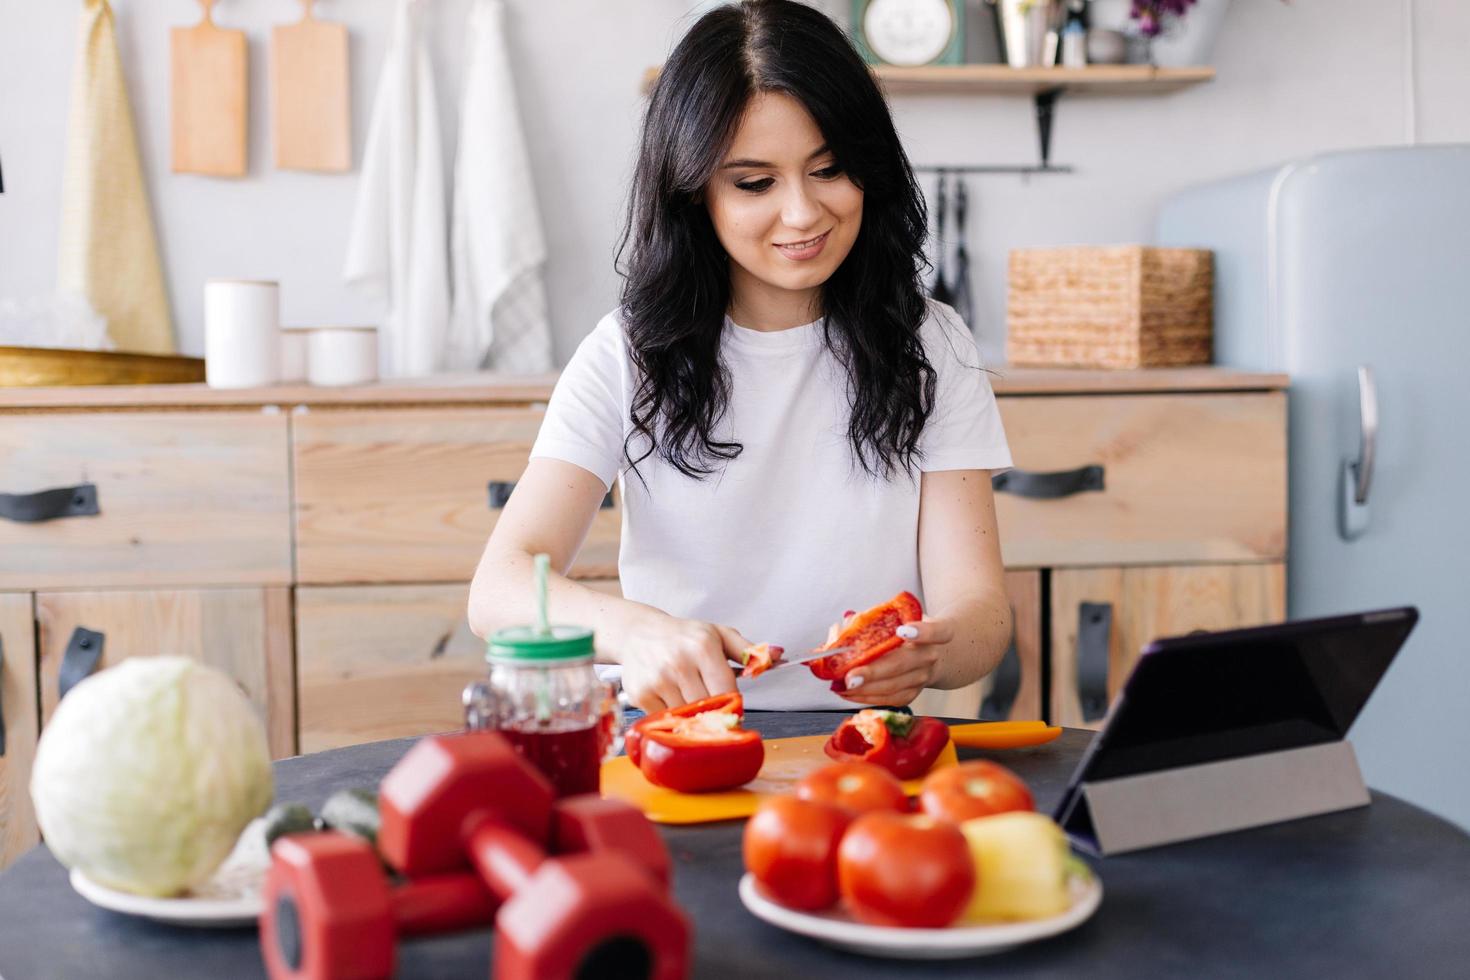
{"x":1293,"y":79}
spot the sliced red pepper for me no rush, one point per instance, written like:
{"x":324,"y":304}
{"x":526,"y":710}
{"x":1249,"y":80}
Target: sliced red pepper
{"x":666,"y":719}
{"x":869,"y":635}
{"x":759,"y":658}
{"x":903,"y":744}
{"x":701,"y":752}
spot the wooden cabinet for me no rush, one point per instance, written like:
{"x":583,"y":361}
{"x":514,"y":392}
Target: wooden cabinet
{"x":1013,"y":690}
{"x":166,"y":498}
{"x":18,"y":725}
{"x":385,"y":661}
{"x":244,"y":633}
{"x":316,"y":544}
{"x":1102,"y":617}
{"x":1152,"y":505}
{"x":410,"y":495}
{"x":1176,"y":477}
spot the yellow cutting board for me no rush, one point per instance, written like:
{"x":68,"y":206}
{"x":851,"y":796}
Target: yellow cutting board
{"x":310,"y":127}
{"x":209,"y":98}
{"x":787,"y":760}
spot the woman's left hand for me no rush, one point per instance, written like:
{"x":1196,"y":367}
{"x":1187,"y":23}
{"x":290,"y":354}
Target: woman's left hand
{"x":898,"y":676}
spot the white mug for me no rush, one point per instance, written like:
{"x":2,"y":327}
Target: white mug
{"x":342,"y":355}
{"x":242,"y":333}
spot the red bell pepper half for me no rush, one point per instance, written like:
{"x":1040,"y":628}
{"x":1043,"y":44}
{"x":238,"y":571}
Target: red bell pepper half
{"x":903,"y":744}
{"x":869,"y":635}
{"x":759,"y":658}
{"x":697,"y":747}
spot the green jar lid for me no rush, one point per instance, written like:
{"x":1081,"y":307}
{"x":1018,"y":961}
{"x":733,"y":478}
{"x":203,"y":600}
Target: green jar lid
{"x":527,"y":644}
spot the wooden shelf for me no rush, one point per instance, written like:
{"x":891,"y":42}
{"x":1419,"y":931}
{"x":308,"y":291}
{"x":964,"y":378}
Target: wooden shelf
{"x":1004,"y":80}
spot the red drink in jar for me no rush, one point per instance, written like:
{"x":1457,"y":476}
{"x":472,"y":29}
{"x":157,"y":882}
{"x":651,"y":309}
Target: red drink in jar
{"x":570,"y":755}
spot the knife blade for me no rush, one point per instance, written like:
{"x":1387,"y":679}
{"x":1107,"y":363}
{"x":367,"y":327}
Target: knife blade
{"x":804,"y":658}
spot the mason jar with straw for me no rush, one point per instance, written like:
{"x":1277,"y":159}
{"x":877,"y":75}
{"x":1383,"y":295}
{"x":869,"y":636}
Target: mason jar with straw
{"x":544,"y":696}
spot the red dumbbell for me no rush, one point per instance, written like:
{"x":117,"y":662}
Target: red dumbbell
{"x":330,"y":911}
{"x":470,"y":800}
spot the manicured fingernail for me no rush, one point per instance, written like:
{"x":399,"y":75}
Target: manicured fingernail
{"x":854,"y":682}
{"x":849,"y":612}
{"x":908,"y":632}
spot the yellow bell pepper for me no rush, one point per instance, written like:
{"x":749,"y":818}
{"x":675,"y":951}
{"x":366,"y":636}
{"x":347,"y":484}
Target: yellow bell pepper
{"x":1022,"y":866}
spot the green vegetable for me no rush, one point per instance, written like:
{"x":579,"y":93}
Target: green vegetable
{"x":353,"y":811}
{"x":148,"y":772}
{"x":287,"y":818}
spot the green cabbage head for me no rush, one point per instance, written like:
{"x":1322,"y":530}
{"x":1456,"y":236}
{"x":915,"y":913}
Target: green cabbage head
{"x":147,"y":773}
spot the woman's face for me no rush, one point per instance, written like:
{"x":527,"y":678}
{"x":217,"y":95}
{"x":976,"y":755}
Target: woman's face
{"x":784,"y":212}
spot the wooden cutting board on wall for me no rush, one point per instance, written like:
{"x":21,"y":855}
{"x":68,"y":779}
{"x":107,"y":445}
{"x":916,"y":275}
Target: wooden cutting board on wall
{"x":311,"y":127}
{"x":209,"y":98}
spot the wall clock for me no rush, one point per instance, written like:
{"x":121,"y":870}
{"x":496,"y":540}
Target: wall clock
{"x":910,"y":32}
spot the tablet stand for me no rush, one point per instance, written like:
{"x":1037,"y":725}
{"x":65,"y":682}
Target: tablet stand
{"x":1129,"y":813}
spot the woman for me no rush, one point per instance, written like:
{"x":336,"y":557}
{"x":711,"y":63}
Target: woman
{"x":796,"y":429}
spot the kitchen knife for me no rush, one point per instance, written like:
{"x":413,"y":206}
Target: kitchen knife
{"x":804,"y":658}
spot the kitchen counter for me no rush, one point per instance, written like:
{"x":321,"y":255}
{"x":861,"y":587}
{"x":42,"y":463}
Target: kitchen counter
{"x":487,"y":388}
{"x":1378,"y":891}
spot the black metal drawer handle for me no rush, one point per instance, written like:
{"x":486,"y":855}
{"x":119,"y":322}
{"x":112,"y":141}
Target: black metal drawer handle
{"x":1048,"y":486}
{"x":83,"y":651}
{"x":1005,"y":685}
{"x":500,"y":491}
{"x":48,"y":505}
{"x":1094,"y":634}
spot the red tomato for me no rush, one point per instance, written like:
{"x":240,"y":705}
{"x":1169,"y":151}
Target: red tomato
{"x":791,"y":847}
{"x":855,"y":786}
{"x":894,"y":870}
{"x":973,"y":789}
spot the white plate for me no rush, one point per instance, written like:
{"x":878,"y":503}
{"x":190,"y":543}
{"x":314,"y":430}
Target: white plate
{"x":230,"y":898}
{"x":836,"y":928}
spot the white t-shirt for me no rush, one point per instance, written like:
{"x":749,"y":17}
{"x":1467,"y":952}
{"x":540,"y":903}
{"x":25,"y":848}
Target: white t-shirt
{"x":778,"y":542}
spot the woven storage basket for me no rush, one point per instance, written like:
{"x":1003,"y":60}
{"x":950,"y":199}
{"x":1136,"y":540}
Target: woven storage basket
{"x":1121,"y":306}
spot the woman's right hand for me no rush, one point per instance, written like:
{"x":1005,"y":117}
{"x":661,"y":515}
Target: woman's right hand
{"x":669,"y":661}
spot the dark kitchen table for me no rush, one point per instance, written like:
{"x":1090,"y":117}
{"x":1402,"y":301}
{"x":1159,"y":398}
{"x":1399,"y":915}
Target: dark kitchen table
{"x":1382,"y":891}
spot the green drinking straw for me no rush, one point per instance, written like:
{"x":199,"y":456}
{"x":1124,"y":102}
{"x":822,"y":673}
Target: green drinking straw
{"x":543,"y":628}
{"x":543,"y":565}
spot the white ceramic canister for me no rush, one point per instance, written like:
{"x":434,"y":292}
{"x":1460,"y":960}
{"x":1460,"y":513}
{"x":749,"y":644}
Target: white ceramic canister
{"x":342,"y":355}
{"x":293,"y":354}
{"x":242,"y":333}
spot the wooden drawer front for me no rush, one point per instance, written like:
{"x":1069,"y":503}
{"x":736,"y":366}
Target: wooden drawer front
{"x":403,"y":496}
{"x":182,"y":499}
{"x":385,"y":661}
{"x":246,"y":633}
{"x":1188,"y":478}
{"x":18,"y":700}
{"x":1024,"y":589}
{"x":1145,"y":604}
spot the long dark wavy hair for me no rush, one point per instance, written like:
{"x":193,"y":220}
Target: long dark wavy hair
{"x":676,"y":288}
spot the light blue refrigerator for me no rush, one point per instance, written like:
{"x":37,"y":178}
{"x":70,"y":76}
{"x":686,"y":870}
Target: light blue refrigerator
{"x":1351,"y":272}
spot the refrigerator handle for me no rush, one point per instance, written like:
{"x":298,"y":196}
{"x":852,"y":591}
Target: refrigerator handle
{"x":1368,"y":408}
{"x":1357,"y":474}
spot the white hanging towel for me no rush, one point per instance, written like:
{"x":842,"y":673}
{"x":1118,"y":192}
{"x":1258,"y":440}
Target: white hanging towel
{"x":397,"y":248}
{"x":496,"y":244}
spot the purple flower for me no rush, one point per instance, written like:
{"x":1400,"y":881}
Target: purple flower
{"x":1151,"y":14}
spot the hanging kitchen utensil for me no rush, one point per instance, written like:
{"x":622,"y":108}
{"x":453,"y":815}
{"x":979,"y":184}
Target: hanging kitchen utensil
{"x":209,"y":98}
{"x":963,"y":302}
{"x":940,"y":288}
{"x":310,"y":119}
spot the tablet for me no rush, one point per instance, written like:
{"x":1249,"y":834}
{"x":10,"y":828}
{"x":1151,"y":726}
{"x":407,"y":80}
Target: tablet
{"x":1208,"y":697}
